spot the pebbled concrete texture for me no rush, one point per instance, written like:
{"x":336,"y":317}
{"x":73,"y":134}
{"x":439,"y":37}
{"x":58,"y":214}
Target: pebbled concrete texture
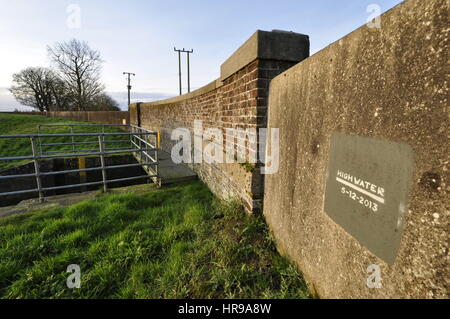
{"x":273,"y":45}
{"x":389,"y":84}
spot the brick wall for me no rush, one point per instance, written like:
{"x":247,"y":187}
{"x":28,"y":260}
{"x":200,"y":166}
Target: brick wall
{"x":100,"y":117}
{"x":237,"y":100}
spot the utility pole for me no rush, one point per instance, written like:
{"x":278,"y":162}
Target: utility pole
{"x":129,"y":85}
{"x":179,"y":66}
{"x":188,"y":66}
{"x":189,"y":70}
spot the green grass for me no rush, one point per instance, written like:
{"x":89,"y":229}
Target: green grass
{"x":178,"y":242}
{"x":15,"y":124}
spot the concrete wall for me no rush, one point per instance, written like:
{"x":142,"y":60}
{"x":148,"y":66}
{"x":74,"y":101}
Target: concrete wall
{"x":388,"y":84}
{"x":238,"y":99}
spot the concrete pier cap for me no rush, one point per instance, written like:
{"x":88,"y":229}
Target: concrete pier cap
{"x":268,"y":45}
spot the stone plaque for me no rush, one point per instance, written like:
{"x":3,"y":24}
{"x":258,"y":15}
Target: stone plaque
{"x":367,"y":191}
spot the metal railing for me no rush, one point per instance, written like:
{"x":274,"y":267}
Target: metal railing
{"x":72,"y":142}
{"x":138,"y":141}
{"x":143,"y":144}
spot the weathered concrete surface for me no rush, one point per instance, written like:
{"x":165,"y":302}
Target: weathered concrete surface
{"x":390,"y":84}
{"x":274,"y":45}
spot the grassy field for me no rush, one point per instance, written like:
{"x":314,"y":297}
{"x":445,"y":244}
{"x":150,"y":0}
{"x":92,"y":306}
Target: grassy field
{"x":177,"y":242}
{"x":27,"y":124}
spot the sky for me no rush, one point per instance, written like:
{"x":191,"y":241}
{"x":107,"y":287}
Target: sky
{"x":139,"y":36}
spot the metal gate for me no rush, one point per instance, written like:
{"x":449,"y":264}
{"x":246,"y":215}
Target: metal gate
{"x":141,"y":143}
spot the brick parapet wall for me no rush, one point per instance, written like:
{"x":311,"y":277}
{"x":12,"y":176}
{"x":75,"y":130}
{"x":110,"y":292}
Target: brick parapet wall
{"x":237,"y":101}
{"x":100,"y":117}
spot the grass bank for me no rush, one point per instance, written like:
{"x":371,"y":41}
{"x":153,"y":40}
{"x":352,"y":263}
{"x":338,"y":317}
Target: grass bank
{"x":178,"y":242}
{"x":15,"y":124}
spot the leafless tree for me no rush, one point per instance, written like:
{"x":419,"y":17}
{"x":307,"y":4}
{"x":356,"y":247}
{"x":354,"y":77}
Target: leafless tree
{"x":62,"y":100}
{"x":34,"y":86}
{"x":79,"y":66}
{"x":104,"y":102}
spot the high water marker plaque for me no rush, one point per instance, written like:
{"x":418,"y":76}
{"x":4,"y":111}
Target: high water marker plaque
{"x":367,"y":191}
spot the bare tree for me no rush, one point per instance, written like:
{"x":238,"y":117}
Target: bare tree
{"x":79,"y":67}
{"x":62,"y":100}
{"x":74,"y":85}
{"x":34,"y":86}
{"x":104,"y":102}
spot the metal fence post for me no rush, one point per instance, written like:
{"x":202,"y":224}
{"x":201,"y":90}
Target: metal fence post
{"x":131,"y":137}
{"x":158,"y":148}
{"x":73,"y":140}
{"x":40,"y":142}
{"x":37,"y":170}
{"x":141,"y":147}
{"x":102,"y":160}
{"x":103,"y":137}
